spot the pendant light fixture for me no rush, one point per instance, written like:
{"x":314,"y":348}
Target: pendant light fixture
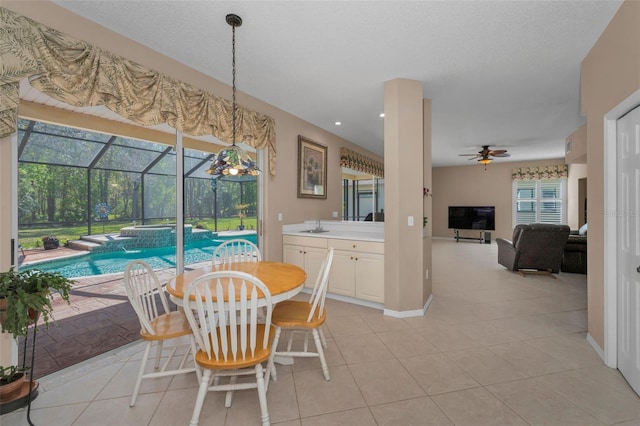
{"x":233,"y":160}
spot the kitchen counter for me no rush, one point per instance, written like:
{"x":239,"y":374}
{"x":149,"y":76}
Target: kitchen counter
{"x":357,"y":271}
{"x":360,"y":231}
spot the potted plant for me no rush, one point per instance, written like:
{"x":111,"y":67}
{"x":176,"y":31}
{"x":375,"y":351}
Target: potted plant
{"x":50,"y":242}
{"x":11,"y":381}
{"x":241,"y":214}
{"x":25,"y":294}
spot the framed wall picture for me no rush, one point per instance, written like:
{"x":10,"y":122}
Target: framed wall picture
{"x":312,"y":169}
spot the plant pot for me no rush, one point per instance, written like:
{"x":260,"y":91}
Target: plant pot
{"x":3,"y":308}
{"x":241,"y":227}
{"x":11,"y":390}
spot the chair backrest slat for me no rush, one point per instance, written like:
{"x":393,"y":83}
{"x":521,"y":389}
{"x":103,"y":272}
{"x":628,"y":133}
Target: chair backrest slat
{"x":237,"y":250}
{"x":228,"y":327}
{"x":319,"y":293}
{"x":143,"y":286}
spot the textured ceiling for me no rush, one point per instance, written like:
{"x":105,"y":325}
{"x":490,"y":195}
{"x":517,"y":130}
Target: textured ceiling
{"x":504,"y":73}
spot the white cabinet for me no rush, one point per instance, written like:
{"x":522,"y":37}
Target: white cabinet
{"x":358,"y":269}
{"x":305,"y":252}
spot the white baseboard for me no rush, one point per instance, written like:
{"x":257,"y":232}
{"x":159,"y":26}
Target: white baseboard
{"x":379,"y":306}
{"x":596,"y":347}
{"x":409,"y":314}
{"x":351,"y":300}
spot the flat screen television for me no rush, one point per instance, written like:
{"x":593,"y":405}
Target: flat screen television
{"x":472,"y":217}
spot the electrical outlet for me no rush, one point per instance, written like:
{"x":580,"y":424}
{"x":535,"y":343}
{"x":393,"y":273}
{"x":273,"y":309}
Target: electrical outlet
{"x":279,"y":217}
{"x":334,"y":214}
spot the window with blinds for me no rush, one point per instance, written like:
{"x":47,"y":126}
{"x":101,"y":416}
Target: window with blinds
{"x":539,"y":201}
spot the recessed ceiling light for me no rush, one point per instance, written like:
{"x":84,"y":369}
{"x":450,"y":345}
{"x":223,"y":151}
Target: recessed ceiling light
{"x":338,"y":123}
{"x":382,"y":115}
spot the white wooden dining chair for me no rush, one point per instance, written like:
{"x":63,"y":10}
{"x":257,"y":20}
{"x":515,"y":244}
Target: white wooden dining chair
{"x":222,"y":310}
{"x":157,"y":326}
{"x":296,"y":315}
{"x":237,"y":250}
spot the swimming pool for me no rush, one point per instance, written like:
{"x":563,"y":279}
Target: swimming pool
{"x":113,"y":262}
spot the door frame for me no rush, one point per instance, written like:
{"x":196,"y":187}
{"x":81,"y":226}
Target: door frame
{"x":611,"y":228}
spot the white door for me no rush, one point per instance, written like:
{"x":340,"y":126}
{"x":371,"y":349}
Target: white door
{"x":628,"y":268}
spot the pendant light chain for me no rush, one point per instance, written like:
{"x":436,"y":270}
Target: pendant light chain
{"x":232,"y":161}
{"x":233,"y":82}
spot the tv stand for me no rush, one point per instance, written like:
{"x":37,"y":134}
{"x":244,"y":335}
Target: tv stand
{"x":481,"y":238}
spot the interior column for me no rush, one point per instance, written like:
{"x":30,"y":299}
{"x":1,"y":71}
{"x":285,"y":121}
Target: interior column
{"x":407,"y":290}
{"x":8,"y":210}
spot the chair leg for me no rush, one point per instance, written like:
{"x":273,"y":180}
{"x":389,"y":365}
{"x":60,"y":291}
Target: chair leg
{"x":194,"y":350}
{"x":271,"y":366}
{"x":143,"y":364}
{"x":290,"y":341}
{"x":324,"y":341}
{"x":262,"y":395}
{"x":228,"y":400}
{"x":323,"y":361}
{"x":202,"y":393}
{"x":158,"y":354}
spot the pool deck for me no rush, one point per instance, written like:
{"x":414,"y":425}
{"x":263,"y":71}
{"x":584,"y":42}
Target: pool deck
{"x":40,"y":254}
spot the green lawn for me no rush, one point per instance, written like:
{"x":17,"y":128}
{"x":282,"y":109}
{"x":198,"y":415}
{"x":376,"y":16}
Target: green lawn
{"x":31,"y":238}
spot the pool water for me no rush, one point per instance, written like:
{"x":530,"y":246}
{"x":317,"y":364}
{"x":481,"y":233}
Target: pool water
{"x":113,"y":262}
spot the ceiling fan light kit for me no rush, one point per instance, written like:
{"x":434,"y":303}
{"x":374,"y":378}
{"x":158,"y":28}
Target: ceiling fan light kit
{"x":485,"y":153}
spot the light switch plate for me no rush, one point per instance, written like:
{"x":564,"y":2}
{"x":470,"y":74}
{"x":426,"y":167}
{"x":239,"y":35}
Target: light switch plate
{"x":410,"y":221}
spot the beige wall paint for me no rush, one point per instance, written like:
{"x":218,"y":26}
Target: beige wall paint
{"x":280,"y":191}
{"x":427,"y":202}
{"x":576,"y":172}
{"x":578,"y":143}
{"x":610,"y":73}
{"x":404,"y":147}
{"x":475,"y":186}
{"x":8,"y":349}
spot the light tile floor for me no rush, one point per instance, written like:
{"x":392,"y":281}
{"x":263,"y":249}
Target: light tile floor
{"x":493,"y":349}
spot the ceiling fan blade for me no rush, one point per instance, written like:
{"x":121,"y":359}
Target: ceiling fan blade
{"x":497,"y":151}
{"x":467,"y":155}
{"x":504,"y":154}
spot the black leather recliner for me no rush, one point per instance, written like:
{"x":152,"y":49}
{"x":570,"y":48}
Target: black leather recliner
{"x":575,"y":255}
{"x":537,"y":247}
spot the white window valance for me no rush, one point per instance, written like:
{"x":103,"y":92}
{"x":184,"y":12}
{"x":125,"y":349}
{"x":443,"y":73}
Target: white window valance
{"x":79,"y":74}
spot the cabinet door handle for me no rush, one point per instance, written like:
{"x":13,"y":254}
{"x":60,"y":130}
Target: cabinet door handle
{"x":354,"y":246}
{"x":351,"y":257}
{"x":356,"y":258}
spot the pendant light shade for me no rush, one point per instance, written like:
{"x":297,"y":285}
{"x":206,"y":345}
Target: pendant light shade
{"x":233,"y":160}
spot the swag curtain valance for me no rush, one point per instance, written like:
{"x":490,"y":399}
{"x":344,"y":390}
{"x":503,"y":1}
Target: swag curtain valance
{"x":79,"y":74}
{"x":361,"y":163}
{"x":541,"y":172}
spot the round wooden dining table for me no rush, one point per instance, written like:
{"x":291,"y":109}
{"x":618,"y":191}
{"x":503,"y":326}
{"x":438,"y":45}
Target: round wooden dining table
{"x":283,"y":280}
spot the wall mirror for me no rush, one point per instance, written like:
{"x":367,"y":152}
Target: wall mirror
{"x":362,"y":196}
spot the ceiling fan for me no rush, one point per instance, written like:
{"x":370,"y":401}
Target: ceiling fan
{"x":484,"y":155}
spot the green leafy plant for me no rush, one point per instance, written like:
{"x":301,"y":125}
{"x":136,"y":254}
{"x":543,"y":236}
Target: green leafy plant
{"x":11,"y":374}
{"x":28,"y":293}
